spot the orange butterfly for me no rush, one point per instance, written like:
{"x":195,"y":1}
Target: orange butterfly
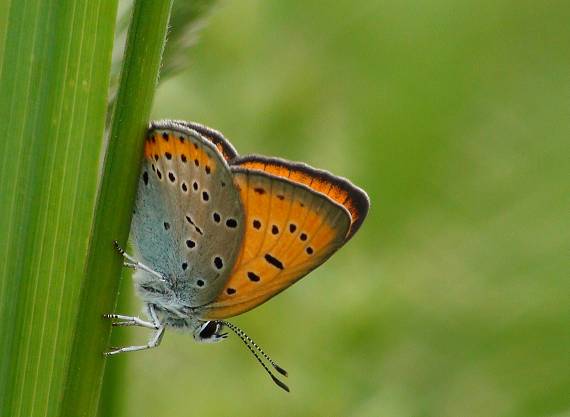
{"x":216,"y":234}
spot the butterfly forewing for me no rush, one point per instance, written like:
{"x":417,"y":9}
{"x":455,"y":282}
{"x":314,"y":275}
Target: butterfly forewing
{"x":222,"y":144}
{"x":289,"y":231}
{"x":188,"y":222}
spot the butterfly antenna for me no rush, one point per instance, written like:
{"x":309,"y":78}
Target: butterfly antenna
{"x":243,"y":336}
{"x":248,"y":342}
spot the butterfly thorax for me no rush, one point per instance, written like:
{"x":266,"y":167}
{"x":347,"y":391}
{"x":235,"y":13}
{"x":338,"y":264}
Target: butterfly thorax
{"x":161,"y":293}
{"x":166,"y":299}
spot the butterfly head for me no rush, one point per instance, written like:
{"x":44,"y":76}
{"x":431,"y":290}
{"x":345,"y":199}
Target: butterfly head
{"x":209,"y":332}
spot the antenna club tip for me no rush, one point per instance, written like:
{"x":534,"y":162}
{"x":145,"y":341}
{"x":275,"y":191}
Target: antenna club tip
{"x":252,"y":347}
{"x":280,"y":370}
{"x":280,"y":384}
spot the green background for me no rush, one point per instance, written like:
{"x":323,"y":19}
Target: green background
{"x":452,"y":300}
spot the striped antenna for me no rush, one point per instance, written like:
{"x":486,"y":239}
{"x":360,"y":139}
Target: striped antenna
{"x":248,"y":341}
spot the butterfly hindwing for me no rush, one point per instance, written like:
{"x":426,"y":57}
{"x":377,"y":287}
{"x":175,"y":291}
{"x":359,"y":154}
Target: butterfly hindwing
{"x":188,"y":219}
{"x":336,"y":188}
{"x":289,"y":230}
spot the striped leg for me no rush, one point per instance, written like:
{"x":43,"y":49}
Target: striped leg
{"x":134,"y":264}
{"x":153,"y":342}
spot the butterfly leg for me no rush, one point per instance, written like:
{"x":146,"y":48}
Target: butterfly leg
{"x":131,"y":265}
{"x":134,"y":264}
{"x":135,"y":321}
{"x":130,"y":321}
{"x":152,"y":343}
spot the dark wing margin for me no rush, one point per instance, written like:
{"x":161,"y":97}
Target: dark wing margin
{"x":223,"y":145}
{"x":339,"y":189}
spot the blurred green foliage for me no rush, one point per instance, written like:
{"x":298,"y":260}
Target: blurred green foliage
{"x":452,"y":300}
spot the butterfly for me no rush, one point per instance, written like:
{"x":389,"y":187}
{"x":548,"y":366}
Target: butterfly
{"x":216,"y":234}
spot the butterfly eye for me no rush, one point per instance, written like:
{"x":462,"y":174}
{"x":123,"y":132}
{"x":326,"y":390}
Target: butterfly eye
{"x":209,"y":332}
{"x":208,"y":329}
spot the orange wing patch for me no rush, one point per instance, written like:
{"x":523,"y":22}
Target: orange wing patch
{"x":289,"y":231}
{"x":225,"y":148}
{"x":338,"y":189}
{"x":170,"y":144}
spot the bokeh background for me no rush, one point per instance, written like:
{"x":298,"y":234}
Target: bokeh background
{"x":453,"y":299}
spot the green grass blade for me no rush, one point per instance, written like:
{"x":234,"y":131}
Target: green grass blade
{"x":55,"y":57}
{"x":145,"y":43}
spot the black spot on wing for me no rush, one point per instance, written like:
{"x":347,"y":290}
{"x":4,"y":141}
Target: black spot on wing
{"x":253,"y":276}
{"x":218,"y":262}
{"x":189,"y":220}
{"x":273,"y":261}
